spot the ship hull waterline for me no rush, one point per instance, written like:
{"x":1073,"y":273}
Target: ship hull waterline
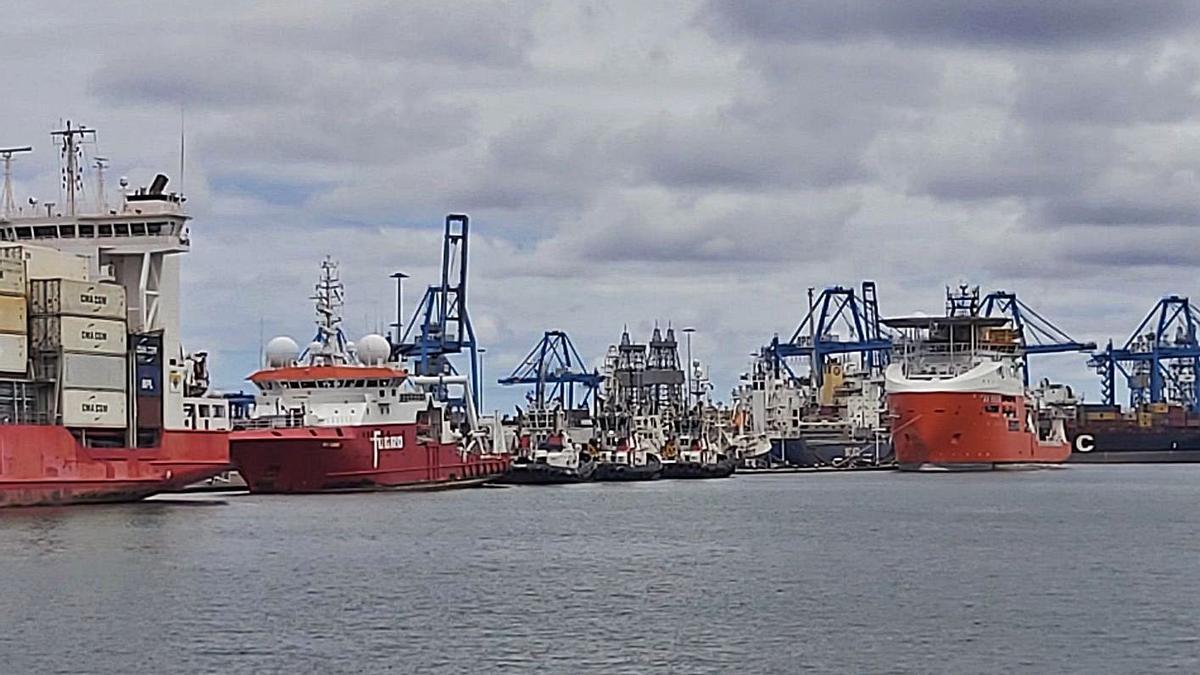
{"x":966,"y":431}
{"x":311,"y":460}
{"x":45,"y":466}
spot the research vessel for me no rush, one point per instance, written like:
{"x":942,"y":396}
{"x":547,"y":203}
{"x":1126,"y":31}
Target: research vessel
{"x":98,"y":400}
{"x":957,"y":394}
{"x":343,"y":416}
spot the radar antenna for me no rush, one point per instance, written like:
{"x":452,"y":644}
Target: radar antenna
{"x":70,"y":140}
{"x":7,"y":155}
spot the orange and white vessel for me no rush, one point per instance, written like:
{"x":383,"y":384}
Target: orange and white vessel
{"x":342,"y":416}
{"x":957,"y":394}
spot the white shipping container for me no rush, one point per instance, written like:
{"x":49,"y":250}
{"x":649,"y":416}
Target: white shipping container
{"x":14,"y":354}
{"x":90,"y":408}
{"x":13,"y":318}
{"x":91,"y":371}
{"x":12,"y":276}
{"x":78,"y":334}
{"x":77,"y":298}
{"x":48,"y":263}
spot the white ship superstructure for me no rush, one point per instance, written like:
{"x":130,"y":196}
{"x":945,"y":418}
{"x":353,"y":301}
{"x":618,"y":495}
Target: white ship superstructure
{"x":132,"y":242}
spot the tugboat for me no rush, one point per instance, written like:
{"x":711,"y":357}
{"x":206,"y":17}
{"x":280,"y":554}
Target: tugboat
{"x":99,"y":402}
{"x":635,"y":457}
{"x":698,"y":460}
{"x":546,"y":455}
{"x":958,"y":398}
{"x":343,"y":417}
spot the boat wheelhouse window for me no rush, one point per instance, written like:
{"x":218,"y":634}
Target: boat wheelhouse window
{"x":121,"y":229}
{"x":67,"y":231}
{"x":154,"y":228}
{"x":87,"y":230}
{"x":360,"y":383}
{"x":218,"y":411}
{"x":105,"y":230}
{"x":204,"y":411}
{"x":308,"y":384}
{"x":24,"y":233}
{"x":44,"y":231}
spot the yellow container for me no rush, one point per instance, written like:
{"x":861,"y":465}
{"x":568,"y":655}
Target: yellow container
{"x":14,"y":316}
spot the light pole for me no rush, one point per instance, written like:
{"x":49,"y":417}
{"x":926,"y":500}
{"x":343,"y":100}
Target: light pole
{"x":482,"y":381}
{"x":399,"y":277}
{"x":688,"y":332}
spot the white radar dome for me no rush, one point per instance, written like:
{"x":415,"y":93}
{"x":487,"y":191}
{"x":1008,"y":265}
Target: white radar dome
{"x":282,"y":351}
{"x":374,"y":350}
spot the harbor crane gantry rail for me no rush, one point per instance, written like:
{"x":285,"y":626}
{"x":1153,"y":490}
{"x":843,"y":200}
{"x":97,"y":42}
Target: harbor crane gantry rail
{"x":1159,"y":361}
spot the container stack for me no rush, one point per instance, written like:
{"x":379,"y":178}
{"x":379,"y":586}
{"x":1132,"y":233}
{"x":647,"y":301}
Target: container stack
{"x":14,"y":319}
{"x":80,"y":339}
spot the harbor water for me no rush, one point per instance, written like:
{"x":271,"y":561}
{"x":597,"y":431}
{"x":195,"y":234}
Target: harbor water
{"x":1083,"y":569}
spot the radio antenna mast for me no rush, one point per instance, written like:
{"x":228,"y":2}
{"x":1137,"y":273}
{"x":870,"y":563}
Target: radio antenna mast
{"x":71,"y":139}
{"x":7,"y":154}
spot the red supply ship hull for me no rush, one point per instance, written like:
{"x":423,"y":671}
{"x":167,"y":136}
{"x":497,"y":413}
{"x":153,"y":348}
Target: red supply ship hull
{"x":45,"y":465}
{"x":319,"y":459}
{"x":966,"y":430}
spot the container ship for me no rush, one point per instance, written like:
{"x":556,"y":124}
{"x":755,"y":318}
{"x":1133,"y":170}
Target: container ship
{"x":98,"y":401}
{"x":341,"y":416}
{"x":957,"y":394}
{"x":1155,"y":432}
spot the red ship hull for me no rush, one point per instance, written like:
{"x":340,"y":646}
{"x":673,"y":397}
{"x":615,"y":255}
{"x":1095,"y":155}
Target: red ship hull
{"x":321,"y":459}
{"x":966,"y":430}
{"x":45,"y":465}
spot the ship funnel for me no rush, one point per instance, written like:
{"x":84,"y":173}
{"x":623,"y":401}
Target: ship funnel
{"x":160,"y":183}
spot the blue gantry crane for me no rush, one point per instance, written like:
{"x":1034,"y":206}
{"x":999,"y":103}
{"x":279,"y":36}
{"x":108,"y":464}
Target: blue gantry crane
{"x":838,"y":308}
{"x":1036,"y":333}
{"x":1159,"y":361}
{"x":441,"y":326}
{"x":554,"y":368}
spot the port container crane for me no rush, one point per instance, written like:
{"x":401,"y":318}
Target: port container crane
{"x":441,"y":325}
{"x":554,"y":368}
{"x":837,"y":308}
{"x":1160,"y":360}
{"x":1037,"y":334}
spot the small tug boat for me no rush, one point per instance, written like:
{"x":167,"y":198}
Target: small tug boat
{"x":546,"y":454}
{"x":634,"y":457}
{"x":342,"y":417}
{"x":958,"y":397}
{"x":698,"y":460}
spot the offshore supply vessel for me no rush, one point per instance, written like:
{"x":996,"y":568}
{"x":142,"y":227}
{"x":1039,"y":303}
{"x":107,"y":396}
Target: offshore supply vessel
{"x":958,"y":398}
{"x":98,"y":401}
{"x":343,"y":416}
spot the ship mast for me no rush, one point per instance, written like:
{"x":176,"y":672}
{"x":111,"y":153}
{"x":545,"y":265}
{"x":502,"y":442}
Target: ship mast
{"x":101,"y":200}
{"x":71,"y":139}
{"x":329,"y":345}
{"x":7,"y":155}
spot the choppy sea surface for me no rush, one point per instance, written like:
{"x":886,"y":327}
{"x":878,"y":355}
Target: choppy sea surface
{"x":1085,"y":569}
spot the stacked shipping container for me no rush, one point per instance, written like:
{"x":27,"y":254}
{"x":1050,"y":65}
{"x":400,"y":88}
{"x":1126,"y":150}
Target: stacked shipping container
{"x":78,"y":339}
{"x":14,"y":322}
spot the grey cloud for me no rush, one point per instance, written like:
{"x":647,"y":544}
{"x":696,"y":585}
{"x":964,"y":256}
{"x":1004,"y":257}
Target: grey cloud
{"x":992,"y":23}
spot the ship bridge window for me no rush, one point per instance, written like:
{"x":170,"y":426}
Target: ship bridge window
{"x":204,"y":411}
{"x":137,"y":229}
{"x":154,"y":228}
{"x":308,"y":385}
{"x":44,"y":231}
{"x":24,"y":233}
{"x":67,"y":231}
{"x":105,"y":230}
{"x":121,"y":229}
{"x":87,"y":231}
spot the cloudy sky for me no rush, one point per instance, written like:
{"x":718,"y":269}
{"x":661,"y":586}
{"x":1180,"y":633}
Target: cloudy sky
{"x":694,"y":162}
